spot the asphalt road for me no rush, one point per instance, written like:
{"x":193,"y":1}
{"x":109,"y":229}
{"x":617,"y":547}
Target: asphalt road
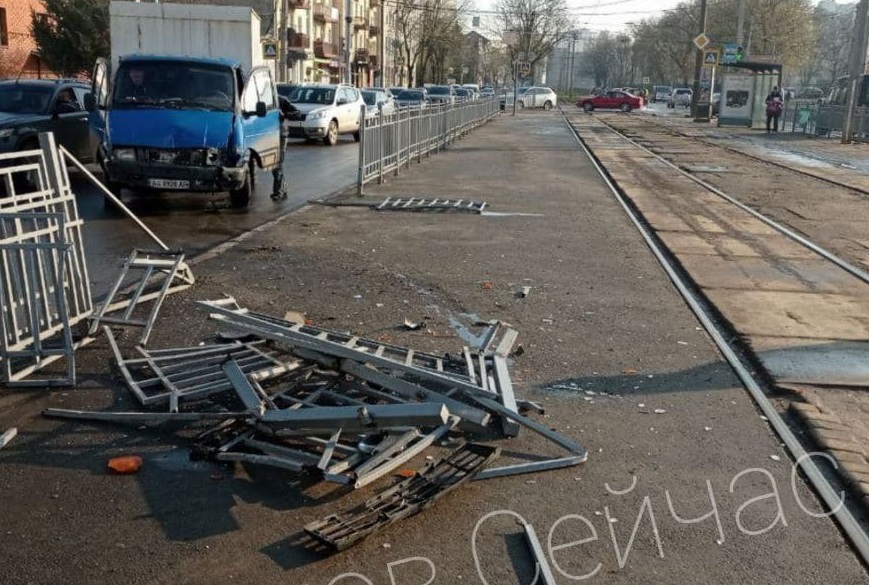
{"x":195,"y":222}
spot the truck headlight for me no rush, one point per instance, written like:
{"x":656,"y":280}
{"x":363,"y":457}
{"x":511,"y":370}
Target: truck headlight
{"x":6,"y":132}
{"x":125,"y":154}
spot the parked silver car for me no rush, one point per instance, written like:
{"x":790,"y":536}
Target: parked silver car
{"x":377,"y":100}
{"x":538,"y":97}
{"x":322,"y":112}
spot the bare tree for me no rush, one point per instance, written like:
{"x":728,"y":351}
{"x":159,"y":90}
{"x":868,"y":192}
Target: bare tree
{"x":427,"y":33}
{"x":536,"y":25}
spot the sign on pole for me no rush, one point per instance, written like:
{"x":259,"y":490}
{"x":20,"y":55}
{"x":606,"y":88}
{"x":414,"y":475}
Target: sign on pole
{"x":270,"y":50}
{"x":710,"y":56}
{"x":700,"y":41}
{"x":524,"y":67}
{"x":646,"y":81}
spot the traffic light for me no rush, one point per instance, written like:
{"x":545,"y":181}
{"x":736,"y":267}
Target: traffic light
{"x":739,"y":54}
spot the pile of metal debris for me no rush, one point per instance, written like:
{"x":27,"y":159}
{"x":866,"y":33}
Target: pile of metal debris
{"x":351,"y":410}
{"x":272,"y":392}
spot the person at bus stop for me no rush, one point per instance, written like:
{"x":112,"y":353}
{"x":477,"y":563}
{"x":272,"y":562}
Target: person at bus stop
{"x":774,"y":104}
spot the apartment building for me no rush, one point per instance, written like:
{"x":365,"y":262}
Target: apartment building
{"x":18,"y":54}
{"x":317,"y":35}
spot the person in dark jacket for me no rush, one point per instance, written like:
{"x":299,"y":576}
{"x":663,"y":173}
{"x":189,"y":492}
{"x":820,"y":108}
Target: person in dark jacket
{"x":774,"y":105}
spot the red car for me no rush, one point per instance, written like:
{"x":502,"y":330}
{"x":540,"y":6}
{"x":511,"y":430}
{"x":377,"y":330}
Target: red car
{"x":611,"y":100}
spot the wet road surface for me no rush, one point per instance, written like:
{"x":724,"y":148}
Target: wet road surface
{"x":195,"y":222}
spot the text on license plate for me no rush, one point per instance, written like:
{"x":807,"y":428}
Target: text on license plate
{"x":295,"y":123}
{"x":168,"y":184}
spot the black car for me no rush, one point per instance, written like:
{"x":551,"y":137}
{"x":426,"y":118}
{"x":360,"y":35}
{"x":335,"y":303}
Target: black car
{"x":31,"y":106}
{"x":286,"y":89}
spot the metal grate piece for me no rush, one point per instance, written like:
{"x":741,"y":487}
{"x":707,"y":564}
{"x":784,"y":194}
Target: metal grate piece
{"x":423,"y":204}
{"x":411,"y":496}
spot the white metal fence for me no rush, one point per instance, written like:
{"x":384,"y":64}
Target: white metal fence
{"x":389,"y":142}
{"x":823,"y":120}
{"x":44,"y":284}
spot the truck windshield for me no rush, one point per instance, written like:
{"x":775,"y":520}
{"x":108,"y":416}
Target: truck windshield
{"x":18,"y":98}
{"x":177,"y":85}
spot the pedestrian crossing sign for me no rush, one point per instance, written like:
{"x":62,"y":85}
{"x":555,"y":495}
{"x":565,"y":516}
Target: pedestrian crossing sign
{"x":710,"y":57}
{"x":270,"y":50}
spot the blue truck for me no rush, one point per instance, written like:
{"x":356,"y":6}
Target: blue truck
{"x":179,"y":123}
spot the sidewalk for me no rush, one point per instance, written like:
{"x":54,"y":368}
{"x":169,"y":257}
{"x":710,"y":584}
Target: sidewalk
{"x":611,"y":351}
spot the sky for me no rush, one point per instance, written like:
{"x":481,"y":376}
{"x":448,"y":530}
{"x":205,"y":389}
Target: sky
{"x":613,"y":15}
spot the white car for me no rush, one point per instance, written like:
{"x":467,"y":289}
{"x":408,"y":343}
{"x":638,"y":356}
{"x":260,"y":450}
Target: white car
{"x":538,"y":97}
{"x":322,"y":112}
{"x":377,"y":100}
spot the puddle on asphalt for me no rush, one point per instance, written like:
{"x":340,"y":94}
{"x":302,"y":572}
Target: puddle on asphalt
{"x":178,"y":460}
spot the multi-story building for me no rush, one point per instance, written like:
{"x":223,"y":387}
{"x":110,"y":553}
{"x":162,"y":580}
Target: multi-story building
{"x":18,"y":55}
{"x":317,"y":32}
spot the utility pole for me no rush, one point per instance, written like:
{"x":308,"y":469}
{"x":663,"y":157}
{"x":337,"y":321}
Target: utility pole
{"x":858,"y":63}
{"x":698,"y":61}
{"x":348,"y":44}
{"x":283,"y":44}
{"x":572,"y":65}
{"x":740,"y":23}
{"x":381,"y":44}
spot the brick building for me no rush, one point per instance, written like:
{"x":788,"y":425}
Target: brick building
{"x":17,"y":48}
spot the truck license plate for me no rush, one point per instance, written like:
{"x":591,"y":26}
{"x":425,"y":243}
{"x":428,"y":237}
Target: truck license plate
{"x":168,"y":184}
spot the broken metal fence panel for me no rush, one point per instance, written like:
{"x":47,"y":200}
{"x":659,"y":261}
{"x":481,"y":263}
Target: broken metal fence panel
{"x":36,"y":181}
{"x":389,"y":142}
{"x":34,"y":318}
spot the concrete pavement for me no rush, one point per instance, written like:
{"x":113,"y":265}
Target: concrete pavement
{"x":610,"y":349}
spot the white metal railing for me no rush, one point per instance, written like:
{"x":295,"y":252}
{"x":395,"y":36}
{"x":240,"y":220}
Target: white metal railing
{"x":44,"y":284}
{"x":389,"y":142}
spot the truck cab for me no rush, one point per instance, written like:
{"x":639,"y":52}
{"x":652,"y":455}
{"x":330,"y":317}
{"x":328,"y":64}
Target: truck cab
{"x":169,"y":123}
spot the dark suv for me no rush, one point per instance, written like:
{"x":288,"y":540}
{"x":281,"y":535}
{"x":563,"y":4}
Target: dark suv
{"x":31,"y":106}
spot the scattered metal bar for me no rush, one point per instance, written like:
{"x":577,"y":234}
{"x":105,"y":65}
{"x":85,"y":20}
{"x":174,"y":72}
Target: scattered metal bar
{"x":116,"y":201}
{"x":270,"y":460}
{"x":7,"y":436}
{"x":543,"y":568}
{"x":371,"y":474}
{"x":357,"y":418}
{"x":535,"y":426}
{"x":329,"y":450}
{"x":505,"y":393}
{"x":436,"y":479}
{"x":140,"y":416}
{"x":249,"y":397}
{"x":532,"y":467}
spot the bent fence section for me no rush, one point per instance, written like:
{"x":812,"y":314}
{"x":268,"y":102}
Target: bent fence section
{"x":389,"y":142}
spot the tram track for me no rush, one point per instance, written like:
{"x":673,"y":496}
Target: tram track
{"x":863,"y":191}
{"x":682,"y":237}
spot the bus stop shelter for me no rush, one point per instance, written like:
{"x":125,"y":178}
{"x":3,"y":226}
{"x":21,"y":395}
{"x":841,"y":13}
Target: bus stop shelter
{"x":744,"y":88}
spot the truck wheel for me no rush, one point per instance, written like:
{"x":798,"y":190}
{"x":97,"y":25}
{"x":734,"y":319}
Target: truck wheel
{"x":241,"y":197}
{"x":331,"y":137}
